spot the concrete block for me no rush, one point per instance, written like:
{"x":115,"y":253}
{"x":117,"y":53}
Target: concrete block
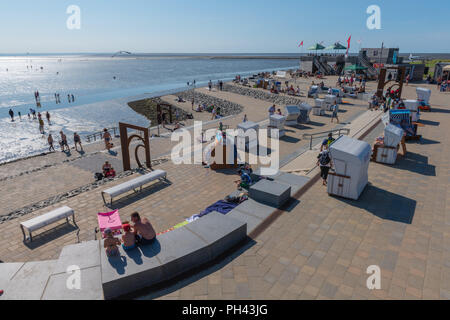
{"x":256,"y":209}
{"x":7,"y":272}
{"x":132,"y":270}
{"x":251,"y":221}
{"x":270,"y":192}
{"x":182,"y":250}
{"x":296,"y":182}
{"x":90,"y":286}
{"x":30,"y":281}
{"x":84,"y":255}
{"x":221,"y":232}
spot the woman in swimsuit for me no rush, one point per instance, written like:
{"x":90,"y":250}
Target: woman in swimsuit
{"x":77,"y":140}
{"x":107,"y":137}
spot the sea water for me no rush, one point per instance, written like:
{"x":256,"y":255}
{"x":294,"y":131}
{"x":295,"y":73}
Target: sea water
{"x":102,"y":85}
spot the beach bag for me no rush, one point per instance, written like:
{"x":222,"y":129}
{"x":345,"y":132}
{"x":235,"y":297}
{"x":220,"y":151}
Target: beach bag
{"x":98,"y":176}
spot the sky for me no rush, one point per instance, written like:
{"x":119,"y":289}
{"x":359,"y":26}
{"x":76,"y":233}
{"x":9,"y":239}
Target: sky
{"x":226,"y":26}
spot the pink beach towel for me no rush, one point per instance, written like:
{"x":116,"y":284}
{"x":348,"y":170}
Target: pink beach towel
{"x":110,"y":220}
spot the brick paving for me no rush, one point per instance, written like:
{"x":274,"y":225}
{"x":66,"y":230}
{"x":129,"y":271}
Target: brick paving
{"x":318,"y":250}
{"x":322,"y":248}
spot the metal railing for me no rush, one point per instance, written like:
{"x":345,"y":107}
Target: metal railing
{"x":324,"y":134}
{"x":319,"y":66}
{"x":365,"y":62}
{"x":99,"y":135}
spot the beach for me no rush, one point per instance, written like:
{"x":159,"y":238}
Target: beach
{"x":336,"y":239}
{"x":102,"y":87}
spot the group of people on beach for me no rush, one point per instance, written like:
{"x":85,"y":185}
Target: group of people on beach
{"x":219,"y":85}
{"x":33,"y":116}
{"x":140,"y":233}
{"x":63,"y":142}
{"x":70,"y":98}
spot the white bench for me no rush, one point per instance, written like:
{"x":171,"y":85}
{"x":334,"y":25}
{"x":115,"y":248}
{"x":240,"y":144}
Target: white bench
{"x":46,"y":219}
{"x":134,"y":184}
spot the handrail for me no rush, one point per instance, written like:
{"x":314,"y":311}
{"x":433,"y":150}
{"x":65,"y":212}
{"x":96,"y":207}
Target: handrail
{"x":324,"y":134}
{"x":100,"y":134}
{"x":367,"y":63}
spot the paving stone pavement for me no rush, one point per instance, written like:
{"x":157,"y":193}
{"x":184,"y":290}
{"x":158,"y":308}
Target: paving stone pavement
{"x":318,"y":250}
{"x":322,"y":248}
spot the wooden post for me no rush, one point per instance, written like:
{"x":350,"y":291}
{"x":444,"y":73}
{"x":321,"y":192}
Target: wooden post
{"x":381,"y":82}
{"x":147,"y":149}
{"x":125,"y":148}
{"x":125,"y":143}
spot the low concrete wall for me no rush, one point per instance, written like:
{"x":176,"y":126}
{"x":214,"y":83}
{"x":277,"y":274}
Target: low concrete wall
{"x":172,"y":254}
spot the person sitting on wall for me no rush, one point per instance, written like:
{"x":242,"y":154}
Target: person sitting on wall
{"x":128,"y":238}
{"x":143,"y":230}
{"x":245,"y":181}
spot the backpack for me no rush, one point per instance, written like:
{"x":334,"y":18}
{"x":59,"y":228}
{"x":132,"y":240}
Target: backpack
{"x":330,"y":141}
{"x":324,"y":159}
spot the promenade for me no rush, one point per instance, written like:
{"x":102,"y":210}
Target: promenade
{"x":318,"y":250}
{"x":322,"y":248}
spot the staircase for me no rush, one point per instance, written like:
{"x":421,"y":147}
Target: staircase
{"x":371,"y":71}
{"x":47,"y":280}
{"x":319,"y":66}
{"x":339,"y":68}
{"x":323,"y":67}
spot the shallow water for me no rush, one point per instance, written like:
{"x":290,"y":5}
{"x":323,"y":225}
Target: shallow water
{"x":90,"y":78}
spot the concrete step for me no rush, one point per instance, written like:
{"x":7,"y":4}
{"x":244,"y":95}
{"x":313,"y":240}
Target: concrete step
{"x":77,"y":274}
{"x":25,"y":281}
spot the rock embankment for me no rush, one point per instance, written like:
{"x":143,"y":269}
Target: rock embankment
{"x":227,"y":108}
{"x":261,"y":95}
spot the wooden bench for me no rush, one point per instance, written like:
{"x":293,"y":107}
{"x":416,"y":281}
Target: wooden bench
{"x":134,"y":184}
{"x":46,"y":219}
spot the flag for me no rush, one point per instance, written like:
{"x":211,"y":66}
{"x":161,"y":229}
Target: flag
{"x":348,"y":45}
{"x":301,"y":44}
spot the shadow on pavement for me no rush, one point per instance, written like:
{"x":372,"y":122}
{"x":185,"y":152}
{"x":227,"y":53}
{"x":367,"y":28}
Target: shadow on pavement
{"x":385,"y":205}
{"x":416,"y":163}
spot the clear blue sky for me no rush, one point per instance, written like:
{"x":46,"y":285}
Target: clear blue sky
{"x":210,"y":26}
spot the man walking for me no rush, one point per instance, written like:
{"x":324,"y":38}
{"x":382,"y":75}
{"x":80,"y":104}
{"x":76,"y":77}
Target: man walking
{"x":325,"y":164}
{"x":335,"y":110}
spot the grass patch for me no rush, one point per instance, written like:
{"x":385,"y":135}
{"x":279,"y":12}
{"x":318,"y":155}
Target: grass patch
{"x":431,"y":64}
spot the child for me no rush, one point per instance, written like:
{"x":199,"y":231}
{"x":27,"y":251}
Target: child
{"x":245,"y":181}
{"x":111,"y":243}
{"x":128,"y":239}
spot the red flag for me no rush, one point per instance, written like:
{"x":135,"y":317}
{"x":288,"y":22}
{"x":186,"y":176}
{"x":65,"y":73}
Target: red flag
{"x":348,"y":45}
{"x":301,"y":44}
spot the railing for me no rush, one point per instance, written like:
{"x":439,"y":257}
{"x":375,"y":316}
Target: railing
{"x":324,"y":134}
{"x":319,"y":66}
{"x":365,"y":62}
{"x":326,"y":66}
{"x":99,"y":135}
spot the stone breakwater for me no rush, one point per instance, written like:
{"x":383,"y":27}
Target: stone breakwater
{"x":261,"y":95}
{"x":226,"y":108}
